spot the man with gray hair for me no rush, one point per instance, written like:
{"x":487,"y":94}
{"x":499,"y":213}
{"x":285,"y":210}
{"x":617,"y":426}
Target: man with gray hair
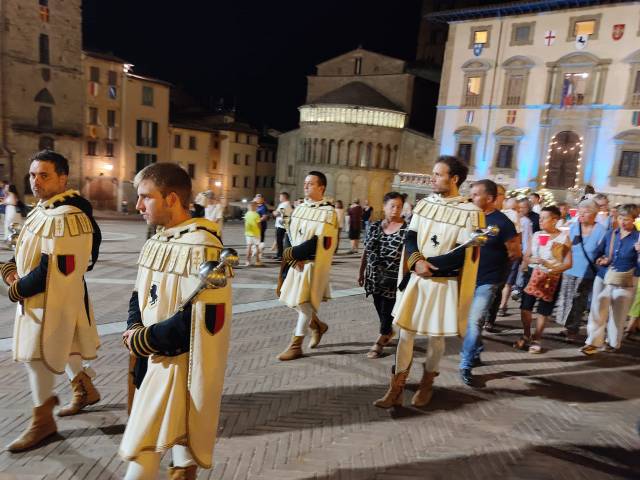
{"x":577,"y":282}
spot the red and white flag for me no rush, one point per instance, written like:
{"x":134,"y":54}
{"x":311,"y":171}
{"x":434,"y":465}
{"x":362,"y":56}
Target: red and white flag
{"x":618,"y":31}
{"x":549,"y":37}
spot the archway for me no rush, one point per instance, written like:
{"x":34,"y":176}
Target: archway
{"x":564,"y":154}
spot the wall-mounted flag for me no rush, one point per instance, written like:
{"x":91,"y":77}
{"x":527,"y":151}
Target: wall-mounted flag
{"x":635,"y":119}
{"x":618,"y":31}
{"x":568,"y":89}
{"x":549,"y":37}
{"x":468,"y":118}
{"x":511,"y":116}
{"x":477,"y":49}
{"x":93,"y":89}
{"x":581,"y":41}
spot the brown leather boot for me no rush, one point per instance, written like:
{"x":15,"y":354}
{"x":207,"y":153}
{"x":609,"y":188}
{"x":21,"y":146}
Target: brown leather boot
{"x":423,"y":395}
{"x":318,"y":329}
{"x":294,"y":350}
{"x":182,"y":473}
{"x":42,"y":426}
{"x":393,"y":396}
{"x":83,"y":394}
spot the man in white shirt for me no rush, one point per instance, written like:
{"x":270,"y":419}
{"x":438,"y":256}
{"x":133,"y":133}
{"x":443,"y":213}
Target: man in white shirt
{"x":536,"y":206}
{"x":282,"y":214}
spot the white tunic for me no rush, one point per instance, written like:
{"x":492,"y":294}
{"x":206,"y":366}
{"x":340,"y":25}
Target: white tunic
{"x":430,"y":306}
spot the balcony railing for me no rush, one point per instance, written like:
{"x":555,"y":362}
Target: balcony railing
{"x":471,"y":100}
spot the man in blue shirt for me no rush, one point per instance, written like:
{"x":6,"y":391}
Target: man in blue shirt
{"x":613,"y":294}
{"x":494,"y":263}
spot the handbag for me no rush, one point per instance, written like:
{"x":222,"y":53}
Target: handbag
{"x":543,"y":285}
{"x":592,"y":266}
{"x":614,"y":277}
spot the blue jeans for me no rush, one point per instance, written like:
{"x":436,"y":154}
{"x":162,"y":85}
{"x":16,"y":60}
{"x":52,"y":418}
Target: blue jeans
{"x":472,"y":344}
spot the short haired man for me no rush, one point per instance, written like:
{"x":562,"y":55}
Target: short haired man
{"x":436,"y":286}
{"x":54,"y":325}
{"x":526,"y":210}
{"x":495,"y":256}
{"x":181,"y":349}
{"x":306,"y":263}
{"x":282,"y":214}
{"x":536,"y":206}
{"x":603,"y":217}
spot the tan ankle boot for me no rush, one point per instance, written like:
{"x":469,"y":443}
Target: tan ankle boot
{"x":42,"y":426}
{"x":293,"y":351}
{"x":393,"y":396}
{"x":182,"y":473}
{"x":423,"y":395}
{"x":318,"y":329}
{"x":83,"y":393}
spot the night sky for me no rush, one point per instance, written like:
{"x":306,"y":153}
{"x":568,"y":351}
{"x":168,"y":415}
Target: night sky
{"x":254,"y":53}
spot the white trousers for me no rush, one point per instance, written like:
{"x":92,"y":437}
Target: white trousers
{"x":404,"y":352}
{"x":41,"y":379}
{"x":305,"y":313}
{"x":609,"y":308}
{"x":147,"y":464}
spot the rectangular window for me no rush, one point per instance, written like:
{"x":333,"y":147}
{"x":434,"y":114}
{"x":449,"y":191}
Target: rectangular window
{"x":585,"y":27}
{"x":357,"y":68}
{"x":264,"y":181}
{"x":248,"y":139}
{"x":246,"y":182}
{"x":257,"y":181}
{"x":111,"y":118}
{"x":147,"y":96}
{"x":273,"y":181}
{"x":472,"y":94}
{"x":109,"y":148}
{"x":93,"y":116}
{"x":629,"y":164}
{"x":112,"y":91}
{"x":505,"y":156}
{"x":522,"y":33}
{"x":144,"y":159}
{"x":236,"y":159}
{"x":259,"y":156}
{"x":94,"y":74}
{"x":481,"y":36}
{"x":635,"y":94}
{"x":289,"y":171}
{"x":464,"y":152}
{"x":235,"y":181}
{"x":247,"y":159}
{"x":44,"y":13}
{"x":146,"y":133}
{"x":191,"y":168}
{"x":177,"y":141}
{"x":192,"y":143}
{"x":45,"y":117}
{"x":574,"y":88}
{"x":112,"y":77}
{"x":44,"y":48}
{"x":515,"y":90}
{"x":91,"y":147}
{"x":237,"y":137}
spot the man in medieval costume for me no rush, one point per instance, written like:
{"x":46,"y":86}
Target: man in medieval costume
{"x":309,"y":244}
{"x":435,"y":287}
{"x":54,"y":329}
{"x":181,"y":348}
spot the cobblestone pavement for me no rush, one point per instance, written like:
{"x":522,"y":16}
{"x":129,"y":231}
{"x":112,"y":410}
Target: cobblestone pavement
{"x":558,"y":415}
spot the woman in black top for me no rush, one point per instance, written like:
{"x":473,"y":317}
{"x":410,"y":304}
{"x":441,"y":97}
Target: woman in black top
{"x":380,"y":264}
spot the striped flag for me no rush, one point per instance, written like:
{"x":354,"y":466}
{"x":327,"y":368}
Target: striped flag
{"x":511,"y":116}
{"x":93,"y":89}
{"x":635,"y":119}
{"x":567,"y":92}
{"x":469,"y":116}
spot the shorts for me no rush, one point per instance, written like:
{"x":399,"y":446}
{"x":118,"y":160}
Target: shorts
{"x":514,"y":268}
{"x":252,"y":241}
{"x":544,"y":308}
{"x":354,"y":234}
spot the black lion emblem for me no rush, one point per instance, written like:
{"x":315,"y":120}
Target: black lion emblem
{"x":435,"y":241}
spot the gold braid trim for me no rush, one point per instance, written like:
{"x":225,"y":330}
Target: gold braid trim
{"x":14,"y":294}
{"x":287,"y":256}
{"x":137,"y":347}
{"x":413,"y":259}
{"x":7,"y":269}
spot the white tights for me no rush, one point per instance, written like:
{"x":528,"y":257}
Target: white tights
{"x":41,"y":379}
{"x":147,"y":464}
{"x":404,"y":352}
{"x":305,"y":313}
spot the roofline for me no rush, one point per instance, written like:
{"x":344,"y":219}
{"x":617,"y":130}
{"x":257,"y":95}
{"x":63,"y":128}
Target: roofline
{"x":149,"y":79}
{"x":103,"y":56}
{"x":353,"y":106}
{"x":514,"y":8}
{"x":362,"y":50}
{"x":229,"y":127}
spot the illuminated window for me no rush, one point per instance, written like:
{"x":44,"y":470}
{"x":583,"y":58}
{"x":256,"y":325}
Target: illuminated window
{"x":586,"y":27}
{"x":481,"y":36}
{"x":472,"y":94}
{"x":574,"y":89}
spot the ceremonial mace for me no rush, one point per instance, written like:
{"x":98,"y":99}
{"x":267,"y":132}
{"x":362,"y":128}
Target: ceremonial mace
{"x":478,"y":238}
{"x":212,"y":274}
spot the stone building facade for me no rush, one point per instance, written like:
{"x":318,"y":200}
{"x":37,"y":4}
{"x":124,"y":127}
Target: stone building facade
{"x":539,"y":95}
{"x":41,"y":86}
{"x":353,"y":128}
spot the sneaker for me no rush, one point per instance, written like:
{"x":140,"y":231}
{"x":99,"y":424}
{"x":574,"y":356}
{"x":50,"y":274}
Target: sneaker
{"x":516,"y":295}
{"x":466,"y":376}
{"x":589,"y":350}
{"x":609,"y":349}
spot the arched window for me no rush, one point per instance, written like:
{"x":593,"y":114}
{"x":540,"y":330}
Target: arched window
{"x":516,"y":79}
{"x":626,"y":166}
{"x":386,"y":162}
{"x":562,"y":165}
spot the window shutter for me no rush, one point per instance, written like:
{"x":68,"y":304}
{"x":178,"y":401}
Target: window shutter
{"x":154,"y":134}
{"x":139,"y":133}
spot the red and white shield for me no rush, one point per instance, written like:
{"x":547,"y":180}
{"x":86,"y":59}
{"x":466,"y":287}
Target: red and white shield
{"x":618,"y":31}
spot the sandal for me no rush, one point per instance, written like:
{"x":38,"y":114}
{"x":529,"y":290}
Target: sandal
{"x":535,"y":347}
{"x":376,"y":349}
{"x":522,"y":343}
